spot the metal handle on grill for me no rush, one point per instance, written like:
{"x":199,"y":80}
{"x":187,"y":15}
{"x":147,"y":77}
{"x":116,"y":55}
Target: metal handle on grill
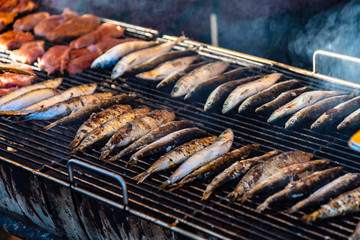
{"x":117,"y":177}
{"x":331,"y":54}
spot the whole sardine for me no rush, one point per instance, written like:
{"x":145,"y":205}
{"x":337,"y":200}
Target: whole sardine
{"x":136,"y":129}
{"x":350,"y":122}
{"x":302,"y":186}
{"x":263,"y":170}
{"x":333,"y":189}
{"x":266,"y":95}
{"x":280,"y":100}
{"x":217,"y":164}
{"x":138,"y":57}
{"x":176,"y":156}
{"x":221,"y":146}
{"x":97,"y":119}
{"x":218,"y":96}
{"x":65,"y":95}
{"x":166,"y":68}
{"x":335,"y":115}
{"x":167,"y":143}
{"x":285,"y":175}
{"x":112,"y":56}
{"x":66,"y":107}
{"x":52,"y":83}
{"x":246,"y":90}
{"x":110,"y":127}
{"x":304,"y":100}
{"x":87,"y":110}
{"x":152,"y":136}
{"x":198,"y":75}
{"x":348,"y":202}
{"x":312,"y":112}
{"x":235,"y":171}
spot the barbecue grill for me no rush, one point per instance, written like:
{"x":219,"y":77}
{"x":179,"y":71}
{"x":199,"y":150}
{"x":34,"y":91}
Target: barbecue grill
{"x":78,"y":196}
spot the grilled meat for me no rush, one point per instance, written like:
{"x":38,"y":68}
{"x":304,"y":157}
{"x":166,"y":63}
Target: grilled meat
{"x":55,"y":59}
{"x":6,"y":18}
{"x":8,"y":79}
{"x":28,"y":22}
{"x":29,"y":52}
{"x":14,"y":39}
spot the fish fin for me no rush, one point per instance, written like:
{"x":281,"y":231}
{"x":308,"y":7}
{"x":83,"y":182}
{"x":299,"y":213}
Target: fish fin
{"x":310,"y":217}
{"x":164,"y":185}
{"x":105,"y":151}
{"x":176,"y":186}
{"x":142,"y":176}
{"x":261,"y":207}
{"x":206,"y":195}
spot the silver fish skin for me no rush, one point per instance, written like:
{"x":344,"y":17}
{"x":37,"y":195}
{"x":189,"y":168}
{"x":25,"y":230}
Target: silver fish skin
{"x":285,"y":175}
{"x":266,"y":95}
{"x":304,"y":100}
{"x":97,"y":119}
{"x":350,"y":122}
{"x":176,"y":156}
{"x":312,"y":112}
{"x":65,"y":95}
{"x":112,"y":56}
{"x":138,"y":57}
{"x":167,"y":68}
{"x":333,"y":189}
{"x":14,"y":106}
{"x":244,"y":91}
{"x":235,"y":171}
{"x":52,"y":83}
{"x":136,"y":129}
{"x":219,"y":94}
{"x":152,"y":136}
{"x":356,"y":233}
{"x":263,"y":170}
{"x":167,"y":143}
{"x":198,"y":75}
{"x":348,"y":202}
{"x":302,"y":186}
{"x":280,"y":100}
{"x":110,"y":127}
{"x":221,"y":146}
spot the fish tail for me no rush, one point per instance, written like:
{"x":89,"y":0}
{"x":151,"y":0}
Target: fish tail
{"x":206,"y":195}
{"x":113,"y":158}
{"x":176,"y":186}
{"x":164,"y":185}
{"x":51,"y":125}
{"x":74,"y":143}
{"x":133,"y":161}
{"x":292,"y":209}
{"x":310,"y":217}
{"x":237,"y":193}
{"x":142,"y":176}
{"x":246,"y":196}
{"x":262,"y":207}
{"x":105,"y":151}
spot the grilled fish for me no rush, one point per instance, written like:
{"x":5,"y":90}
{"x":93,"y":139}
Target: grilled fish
{"x":304,"y":100}
{"x":235,"y":171}
{"x":166,"y":68}
{"x":198,"y":75}
{"x":285,"y":175}
{"x":167,"y":143}
{"x":138,"y":57}
{"x":221,"y":146}
{"x":350,"y":122}
{"x":217,"y":164}
{"x":263,"y":170}
{"x":266,"y":95}
{"x":97,"y":119}
{"x":280,"y":100}
{"x":110,"y":127}
{"x":112,"y":56}
{"x":136,"y":129}
{"x":302,"y":186}
{"x":152,"y":136}
{"x":176,"y":156}
{"x":356,"y":233}
{"x":348,"y":202}
{"x":312,"y":112}
{"x":333,"y":189}
{"x":246,"y":90}
{"x":52,"y":83}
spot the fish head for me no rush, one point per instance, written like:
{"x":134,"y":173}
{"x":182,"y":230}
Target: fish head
{"x":228,"y":104}
{"x":178,"y":90}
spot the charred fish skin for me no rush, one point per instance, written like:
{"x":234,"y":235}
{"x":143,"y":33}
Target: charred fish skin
{"x":280,"y":100}
{"x":217,"y":164}
{"x":219,"y":94}
{"x":302,"y":186}
{"x":221,"y":146}
{"x":348,"y":202}
{"x":263,"y":170}
{"x":235,"y":171}
{"x":152,"y":136}
{"x":244,"y":91}
{"x":110,"y":127}
{"x":266,"y":95}
{"x":176,"y":156}
{"x":329,"y":191}
{"x":312,"y":112}
{"x":97,"y":119}
{"x":167,"y":143}
{"x":136,"y":129}
{"x":198,"y":75}
{"x":350,"y":122}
